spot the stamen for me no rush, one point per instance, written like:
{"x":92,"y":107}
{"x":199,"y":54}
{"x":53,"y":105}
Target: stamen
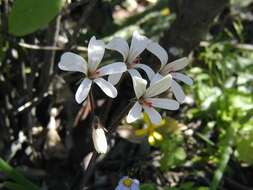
{"x":146,"y":103}
{"x":136,"y":61}
{"x":127,"y":182}
{"x":173,"y":74}
{"x":94,"y":74}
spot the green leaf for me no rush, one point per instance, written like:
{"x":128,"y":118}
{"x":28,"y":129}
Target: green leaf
{"x":147,"y":186}
{"x":27,"y":16}
{"x":16,"y":176}
{"x":180,"y":154}
{"x":14,"y":186}
{"x":245,"y":147}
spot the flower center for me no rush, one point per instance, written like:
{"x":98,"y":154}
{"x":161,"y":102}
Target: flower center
{"x":93,"y":74}
{"x":136,"y":61}
{"x":144,"y":102}
{"x":127,"y":182}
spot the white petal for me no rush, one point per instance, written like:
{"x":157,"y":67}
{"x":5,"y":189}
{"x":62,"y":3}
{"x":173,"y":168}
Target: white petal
{"x":114,"y":78}
{"x":176,"y":65}
{"x":134,"y":72}
{"x":158,"y":51}
{"x":177,"y":91}
{"x":136,"y":181}
{"x":164,"y":103}
{"x":121,"y":187}
{"x":99,"y":140}
{"x":118,"y":67}
{"x":154,"y":115}
{"x":159,"y":86}
{"x":120,"y":45}
{"x":134,"y":113}
{"x":96,"y":50}
{"x":138,"y":45}
{"x":155,"y":78}
{"x":135,"y":186}
{"x":182,"y":77}
{"x":83,"y":90}
{"x":150,"y":73}
{"x":72,"y":62}
{"x":139,"y":86}
{"x":107,"y":87}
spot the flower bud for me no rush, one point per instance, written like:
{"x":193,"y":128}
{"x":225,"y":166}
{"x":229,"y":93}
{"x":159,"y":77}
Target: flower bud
{"x":99,"y":140}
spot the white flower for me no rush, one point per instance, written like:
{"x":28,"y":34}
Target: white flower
{"x":127,"y":183}
{"x":99,"y":140}
{"x":130,"y":55}
{"x":171,"y":69}
{"x":73,"y":62}
{"x":146,"y":99}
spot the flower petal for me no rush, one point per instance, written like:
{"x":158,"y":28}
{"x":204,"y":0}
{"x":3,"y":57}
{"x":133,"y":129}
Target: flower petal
{"x":159,"y":86}
{"x":139,"y":86}
{"x":136,"y":181}
{"x":177,"y":91}
{"x":135,"y":186}
{"x":118,"y":67}
{"x":99,"y":140}
{"x":107,"y":87}
{"x":134,"y":72}
{"x":164,"y":103}
{"x":141,"y":132}
{"x":114,"y":78}
{"x":96,"y":50}
{"x":150,"y":73}
{"x":176,"y":65}
{"x":159,"y":52}
{"x":155,"y":78}
{"x":83,"y":90}
{"x":138,"y":45}
{"x":72,"y":62}
{"x":182,"y":77}
{"x":120,"y":45}
{"x":154,"y":115}
{"x":134,"y":113}
{"x":121,"y":187}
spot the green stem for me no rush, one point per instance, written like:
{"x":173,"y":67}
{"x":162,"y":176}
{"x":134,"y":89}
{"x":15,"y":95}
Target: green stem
{"x":226,"y":152}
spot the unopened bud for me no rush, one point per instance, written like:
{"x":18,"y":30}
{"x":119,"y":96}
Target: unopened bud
{"x":99,"y":140}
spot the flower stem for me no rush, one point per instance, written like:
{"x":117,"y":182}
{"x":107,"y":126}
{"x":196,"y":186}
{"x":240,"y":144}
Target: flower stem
{"x":89,"y":170}
{"x":121,"y":115}
{"x":92,"y":161}
{"x":111,"y":128}
{"x":92,"y":105}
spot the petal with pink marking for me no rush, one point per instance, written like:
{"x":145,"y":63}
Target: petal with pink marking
{"x":138,"y":45}
{"x":164,"y":103}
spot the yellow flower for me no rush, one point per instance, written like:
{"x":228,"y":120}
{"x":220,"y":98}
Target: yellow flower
{"x":151,"y":130}
{"x":165,"y":12}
